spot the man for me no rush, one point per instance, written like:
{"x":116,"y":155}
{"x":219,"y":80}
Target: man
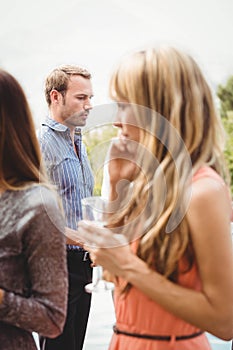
{"x":68,"y":91}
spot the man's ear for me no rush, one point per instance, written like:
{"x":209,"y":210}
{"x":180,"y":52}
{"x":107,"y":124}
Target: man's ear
{"x":55,"y":96}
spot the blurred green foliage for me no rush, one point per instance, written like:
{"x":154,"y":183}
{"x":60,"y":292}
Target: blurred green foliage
{"x":225,"y":94}
{"x":228,"y":125}
{"x":97,"y":142}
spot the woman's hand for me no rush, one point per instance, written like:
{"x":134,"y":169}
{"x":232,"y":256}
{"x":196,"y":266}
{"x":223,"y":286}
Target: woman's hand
{"x":109,"y":250}
{"x":122,"y":164}
{"x":71,"y":237}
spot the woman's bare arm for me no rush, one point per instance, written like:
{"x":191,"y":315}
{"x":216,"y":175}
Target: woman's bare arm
{"x":210,"y":309}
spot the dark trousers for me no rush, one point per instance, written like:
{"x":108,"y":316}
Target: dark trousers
{"x":72,"y":338}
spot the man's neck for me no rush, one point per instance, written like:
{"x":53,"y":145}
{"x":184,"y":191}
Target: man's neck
{"x":59,"y":120}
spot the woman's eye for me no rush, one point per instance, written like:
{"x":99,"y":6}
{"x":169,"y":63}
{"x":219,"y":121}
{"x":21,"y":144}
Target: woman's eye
{"x":121,"y":105}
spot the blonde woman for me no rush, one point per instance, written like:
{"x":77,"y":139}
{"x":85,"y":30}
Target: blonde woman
{"x":174,"y":281}
{"x":33,"y":272}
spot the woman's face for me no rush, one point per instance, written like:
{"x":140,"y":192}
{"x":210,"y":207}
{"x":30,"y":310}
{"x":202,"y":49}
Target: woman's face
{"x":126,"y":122}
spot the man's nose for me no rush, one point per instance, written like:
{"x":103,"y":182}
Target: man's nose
{"x":87,"y":105}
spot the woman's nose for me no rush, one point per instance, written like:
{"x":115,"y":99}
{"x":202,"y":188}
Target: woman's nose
{"x":117,"y":124}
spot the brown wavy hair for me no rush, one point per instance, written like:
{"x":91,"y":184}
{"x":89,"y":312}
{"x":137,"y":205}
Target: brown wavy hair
{"x":20,"y":156}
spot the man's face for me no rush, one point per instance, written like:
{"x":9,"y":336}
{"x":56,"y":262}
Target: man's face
{"x":74,"y":107}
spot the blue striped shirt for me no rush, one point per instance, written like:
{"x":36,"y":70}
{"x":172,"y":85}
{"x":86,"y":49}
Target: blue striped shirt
{"x":71,"y":173}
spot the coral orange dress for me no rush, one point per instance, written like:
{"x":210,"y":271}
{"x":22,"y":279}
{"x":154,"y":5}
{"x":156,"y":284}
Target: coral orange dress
{"x":136,"y":313}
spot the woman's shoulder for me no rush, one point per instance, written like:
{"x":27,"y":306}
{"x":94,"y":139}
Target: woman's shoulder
{"x":206,"y":182}
{"x":207,"y":172}
{"x":26,"y":204}
{"x":40,"y":195}
{"x":209,"y":190}
{"x":36,"y":198}
{"x":41,"y":201}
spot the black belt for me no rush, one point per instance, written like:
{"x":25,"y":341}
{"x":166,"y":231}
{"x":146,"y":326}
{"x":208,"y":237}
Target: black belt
{"x":85,"y":254}
{"x":157,"y":337}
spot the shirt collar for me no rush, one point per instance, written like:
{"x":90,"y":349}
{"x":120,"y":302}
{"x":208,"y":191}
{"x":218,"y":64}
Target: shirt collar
{"x":53,"y":124}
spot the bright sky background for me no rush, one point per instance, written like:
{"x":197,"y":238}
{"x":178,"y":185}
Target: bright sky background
{"x":36,"y":36}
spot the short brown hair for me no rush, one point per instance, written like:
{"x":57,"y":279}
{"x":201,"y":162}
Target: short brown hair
{"x":58,"y":79}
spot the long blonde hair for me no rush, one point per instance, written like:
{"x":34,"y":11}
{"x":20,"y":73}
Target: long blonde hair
{"x":169,"y":86}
